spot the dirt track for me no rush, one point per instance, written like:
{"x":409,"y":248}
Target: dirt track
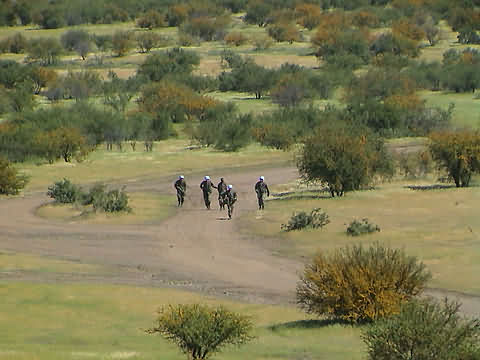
{"x":197,"y":249}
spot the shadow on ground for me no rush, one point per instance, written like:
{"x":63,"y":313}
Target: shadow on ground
{"x":308,"y":324}
{"x":302,"y":195}
{"x":429,"y":187}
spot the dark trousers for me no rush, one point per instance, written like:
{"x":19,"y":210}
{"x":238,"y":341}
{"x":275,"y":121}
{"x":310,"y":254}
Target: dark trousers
{"x":206,"y":199}
{"x":261,"y":204}
{"x":180,"y":198}
{"x":230,"y":210}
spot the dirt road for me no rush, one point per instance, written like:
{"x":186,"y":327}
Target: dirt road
{"x":197,"y":249}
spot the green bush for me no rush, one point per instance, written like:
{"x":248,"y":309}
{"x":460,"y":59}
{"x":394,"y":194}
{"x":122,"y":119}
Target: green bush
{"x":95,"y":192}
{"x":361,"y":227}
{"x":424,"y":330}
{"x":200,"y":331}
{"x":111,"y":201}
{"x":316,"y":219}
{"x":10,"y":181}
{"x":358,"y":284}
{"x":64,"y":192}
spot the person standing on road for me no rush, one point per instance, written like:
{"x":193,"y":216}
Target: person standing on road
{"x":261,"y":188}
{"x":231,"y":199}
{"x":222,"y":189}
{"x":181,"y":187}
{"x":206,"y":186}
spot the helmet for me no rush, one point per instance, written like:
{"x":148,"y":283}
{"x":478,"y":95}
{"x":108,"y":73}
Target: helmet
{"x":207,"y":177}
{"x":261,"y":178}
{"x":229,"y":187}
{"x":181,"y":177}
{"x":221,"y":179}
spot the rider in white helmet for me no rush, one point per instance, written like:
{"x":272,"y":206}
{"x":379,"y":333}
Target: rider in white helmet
{"x":206,"y":186}
{"x":261,"y":188}
{"x":181,"y":187}
{"x":231,"y":198}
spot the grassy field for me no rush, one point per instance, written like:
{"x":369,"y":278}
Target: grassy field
{"x":168,"y":158}
{"x":438,"y":226}
{"x":467,"y":106}
{"x":107,"y":322}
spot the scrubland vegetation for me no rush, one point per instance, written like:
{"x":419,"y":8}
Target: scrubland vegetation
{"x":337,"y":84}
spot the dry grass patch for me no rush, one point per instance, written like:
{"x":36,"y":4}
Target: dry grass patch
{"x":439,"y":226}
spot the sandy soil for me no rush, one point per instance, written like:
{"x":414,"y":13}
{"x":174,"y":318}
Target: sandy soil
{"x":197,"y":249}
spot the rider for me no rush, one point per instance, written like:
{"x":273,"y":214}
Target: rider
{"x":181,"y":187}
{"x":261,"y":188}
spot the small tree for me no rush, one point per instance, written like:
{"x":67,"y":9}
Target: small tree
{"x":44,"y":50}
{"x":424,"y":330}
{"x":458,"y":153}
{"x":343,"y":158}
{"x":10,"y":181}
{"x":121,"y":43}
{"x":200,"y":331}
{"x":359,"y":284}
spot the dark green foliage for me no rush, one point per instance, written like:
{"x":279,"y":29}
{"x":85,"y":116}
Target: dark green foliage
{"x":71,"y":39}
{"x":344,"y":158}
{"x":224,"y":129}
{"x":357,"y":228}
{"x":360,"y":284}
{"x":174,"y":61}
{"x":110,"y":201}
{"x":233,"y":133}
{"x":46,"y":51}
{"x":50,"y":18}
{"x":424,"y":330}
{"x":247,"y":76}
{"x":468,"y":36}
{"x":11,"y":182}
{"x":16,"y":44}
{"x":122,"y":42}
{"x":200,"y":331}
{"x":64,"y":192}
{"x":12,"y":73}
{"x":301,"y":220}
{"x":96,"y":192}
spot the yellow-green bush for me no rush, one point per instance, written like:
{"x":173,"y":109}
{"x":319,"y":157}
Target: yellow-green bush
{"x":199,"y":330}
{"x":359,"y":284}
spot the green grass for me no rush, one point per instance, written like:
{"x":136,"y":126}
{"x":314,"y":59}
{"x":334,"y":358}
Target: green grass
{"x":167,"y":158}
{"x":106,"y":322}
{"x":11,"y":262}
{"x":147,"y":208}
{"x":438,"y":226}
{"x":466,"y":112}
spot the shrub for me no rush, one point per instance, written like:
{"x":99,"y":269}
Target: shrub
{"x":10,"y":181}
{"x":359,"y":284}
{"x":458,"y":153}
{"x":343,"y":158}
{"x":424,"y":330}
{"x":262,"y":42}
{"x":235,"y":38}
{"x":357,"y":227}
{"x":200,"y":331}
{"x":64,"y":192}
{"x":316,"y":219}
{"x":414,"y":165}
{"x":88,"y":198}
{"x":111,"y":201}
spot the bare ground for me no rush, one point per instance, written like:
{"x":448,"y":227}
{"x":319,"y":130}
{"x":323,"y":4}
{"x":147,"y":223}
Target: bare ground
{"x":196,"y":249}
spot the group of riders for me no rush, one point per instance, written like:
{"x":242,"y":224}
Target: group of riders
{"x":227,"y":196}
